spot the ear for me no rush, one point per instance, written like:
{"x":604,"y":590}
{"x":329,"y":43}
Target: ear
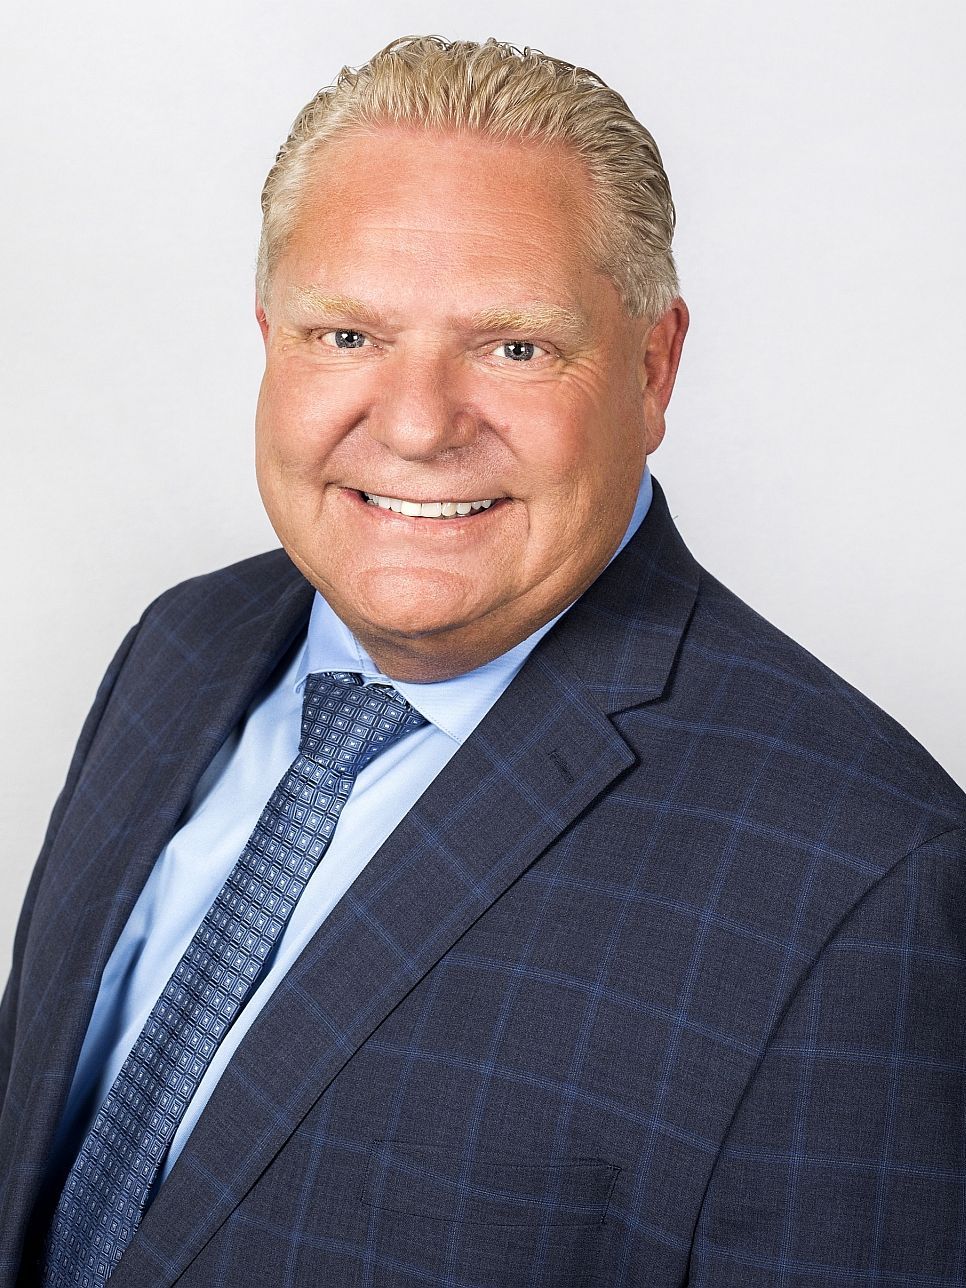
{"x":262,"y":317}
{"x":660,"y":355}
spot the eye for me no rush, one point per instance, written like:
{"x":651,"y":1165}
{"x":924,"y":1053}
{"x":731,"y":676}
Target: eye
{"x":344,"y":338}
{"x":519,"y":350}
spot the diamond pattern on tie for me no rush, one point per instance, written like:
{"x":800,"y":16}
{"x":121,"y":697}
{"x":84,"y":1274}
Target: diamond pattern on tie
{"x":345,"y":725}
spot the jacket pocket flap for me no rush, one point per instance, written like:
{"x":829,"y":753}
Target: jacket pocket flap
{"x":429,"y":1180}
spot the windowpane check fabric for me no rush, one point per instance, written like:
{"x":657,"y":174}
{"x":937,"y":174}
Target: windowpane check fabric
{"x":345,"y":725}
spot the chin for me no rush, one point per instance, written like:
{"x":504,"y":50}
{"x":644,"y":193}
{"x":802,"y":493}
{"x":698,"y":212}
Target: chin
{"x":389,"y":623}
{"x":412,"y":602}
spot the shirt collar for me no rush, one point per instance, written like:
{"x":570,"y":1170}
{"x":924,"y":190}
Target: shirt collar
{"x":454,"y":706}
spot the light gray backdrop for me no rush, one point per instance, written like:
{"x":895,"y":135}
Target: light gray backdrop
{"x":815,"y":456}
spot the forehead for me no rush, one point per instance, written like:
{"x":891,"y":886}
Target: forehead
{"x":405,"y":156}
{"x":445,"y":212}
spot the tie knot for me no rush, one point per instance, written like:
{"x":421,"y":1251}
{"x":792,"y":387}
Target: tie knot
{"x":346,"y":723}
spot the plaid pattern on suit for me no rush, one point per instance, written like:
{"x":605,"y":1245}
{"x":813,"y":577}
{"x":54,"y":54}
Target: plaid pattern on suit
{"x":662,"y":981}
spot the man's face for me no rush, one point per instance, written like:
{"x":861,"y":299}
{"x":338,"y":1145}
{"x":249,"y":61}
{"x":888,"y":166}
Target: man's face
{"x":437,"y":334}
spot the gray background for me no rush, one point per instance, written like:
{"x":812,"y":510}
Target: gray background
{"x":815,"y":456}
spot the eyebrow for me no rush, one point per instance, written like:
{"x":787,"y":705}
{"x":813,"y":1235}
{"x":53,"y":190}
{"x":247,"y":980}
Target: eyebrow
{"x":532,"y":319}
{"x":318,"y":304}
{"x":529,"y":319}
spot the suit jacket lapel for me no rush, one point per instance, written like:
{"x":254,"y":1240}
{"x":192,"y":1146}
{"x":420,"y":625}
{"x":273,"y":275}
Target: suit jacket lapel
{"x":624,"y":634}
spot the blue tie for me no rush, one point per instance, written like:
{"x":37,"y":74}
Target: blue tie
{"x":345,"y":725}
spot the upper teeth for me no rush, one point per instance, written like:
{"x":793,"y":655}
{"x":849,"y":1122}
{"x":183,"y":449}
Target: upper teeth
{"x":427,"y":509}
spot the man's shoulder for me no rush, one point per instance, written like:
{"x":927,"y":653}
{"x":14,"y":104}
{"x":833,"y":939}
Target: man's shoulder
{"x":249,"y":587}
{"x":813,"y":735}
{"x":243,"y":608}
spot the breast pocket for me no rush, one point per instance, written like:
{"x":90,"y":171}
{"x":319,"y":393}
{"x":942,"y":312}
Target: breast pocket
{"x":436,"y":1214}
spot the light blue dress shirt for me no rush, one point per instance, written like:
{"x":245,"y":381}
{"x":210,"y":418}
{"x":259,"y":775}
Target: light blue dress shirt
{"x":220,"y":817}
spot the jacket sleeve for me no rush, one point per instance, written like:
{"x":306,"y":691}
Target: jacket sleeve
{"x":845,"y":1162}
{"x":8,"y":1006}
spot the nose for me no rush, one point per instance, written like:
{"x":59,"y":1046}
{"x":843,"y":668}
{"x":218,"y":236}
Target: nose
{"x":419,"y":412}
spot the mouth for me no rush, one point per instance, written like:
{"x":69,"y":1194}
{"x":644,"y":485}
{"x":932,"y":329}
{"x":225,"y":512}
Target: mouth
{"x":440,"y":510}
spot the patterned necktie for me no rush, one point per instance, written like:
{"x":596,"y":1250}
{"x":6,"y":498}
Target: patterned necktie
{"x":345,"y":725}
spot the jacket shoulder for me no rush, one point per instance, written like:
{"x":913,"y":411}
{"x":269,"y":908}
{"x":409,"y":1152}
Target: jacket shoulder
{"x":238,"y":591}
{"x":816,"y":737}
{"x":249,"y":580}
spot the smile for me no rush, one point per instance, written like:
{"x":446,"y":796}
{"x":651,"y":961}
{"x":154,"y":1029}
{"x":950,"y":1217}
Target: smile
{"x":427,"y":509}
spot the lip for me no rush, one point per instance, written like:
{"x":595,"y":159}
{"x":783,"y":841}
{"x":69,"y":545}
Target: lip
{"x":413,"y":523}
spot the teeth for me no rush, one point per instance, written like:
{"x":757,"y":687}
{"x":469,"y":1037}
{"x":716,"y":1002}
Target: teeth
{"x":427,"y":509}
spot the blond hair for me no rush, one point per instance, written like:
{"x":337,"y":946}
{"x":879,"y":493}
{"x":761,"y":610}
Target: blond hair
{"x":504,"y":93}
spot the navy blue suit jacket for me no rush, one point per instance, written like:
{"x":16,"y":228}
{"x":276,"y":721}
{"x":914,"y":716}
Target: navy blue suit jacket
{"x":662,"y":981}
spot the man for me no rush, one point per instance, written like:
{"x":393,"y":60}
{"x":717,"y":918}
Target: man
{"x":475,"y":891}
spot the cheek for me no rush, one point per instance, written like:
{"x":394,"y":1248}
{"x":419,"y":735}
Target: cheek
{"x":571,"y":452}
{"x":547,"y":436}
{"x":585,"y":428}
{"x":586,"y":464}
{"x":296,"y":423}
